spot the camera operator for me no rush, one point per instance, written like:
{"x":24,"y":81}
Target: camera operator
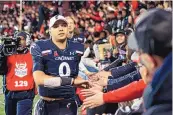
{"x":18,"y":80}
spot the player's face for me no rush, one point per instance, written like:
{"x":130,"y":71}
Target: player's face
{"x":59,"y":30}
{"x":22,"y":41}
{"x":71,"y":24}
{"x":120,"y":38}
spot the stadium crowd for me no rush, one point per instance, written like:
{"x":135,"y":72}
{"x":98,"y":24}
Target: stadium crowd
{"x":117,"y":71}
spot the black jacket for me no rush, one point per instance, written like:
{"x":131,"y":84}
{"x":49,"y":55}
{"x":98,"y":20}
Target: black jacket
{"x":3,"y":62}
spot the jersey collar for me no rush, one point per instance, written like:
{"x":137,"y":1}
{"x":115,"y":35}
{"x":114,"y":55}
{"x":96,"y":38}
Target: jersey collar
{"x":57,"y":48}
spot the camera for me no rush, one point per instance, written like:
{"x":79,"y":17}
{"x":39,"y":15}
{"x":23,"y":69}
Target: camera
{"x":9,"y":45}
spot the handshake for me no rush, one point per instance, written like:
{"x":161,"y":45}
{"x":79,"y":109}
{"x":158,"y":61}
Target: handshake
{"x":99,"y":78}
{"x":93,"y":91}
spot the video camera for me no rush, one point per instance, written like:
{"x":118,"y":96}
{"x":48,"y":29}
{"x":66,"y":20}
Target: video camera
{"x":9,"y":45}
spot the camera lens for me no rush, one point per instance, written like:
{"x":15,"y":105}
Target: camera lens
{"x":12,"y":43}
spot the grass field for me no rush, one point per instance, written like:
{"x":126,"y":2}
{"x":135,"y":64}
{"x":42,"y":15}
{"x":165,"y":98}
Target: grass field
{"x":1,"y":99}
{"x":2,"y":110}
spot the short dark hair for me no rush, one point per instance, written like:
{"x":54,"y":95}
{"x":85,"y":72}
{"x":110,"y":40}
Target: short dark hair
{"x":96,"y":34}
{"x":104,"y":33}
{"x":88,"y":42}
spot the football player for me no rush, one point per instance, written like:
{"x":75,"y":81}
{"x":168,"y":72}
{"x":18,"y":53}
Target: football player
{"x":55,"y":70}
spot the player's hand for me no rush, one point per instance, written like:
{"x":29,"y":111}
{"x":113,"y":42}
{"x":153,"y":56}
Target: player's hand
{"x":93,"y":77}
{"x":93,"y":101}
{"x":103,"y":81}
{"x":92,"y":91}
{"x":79,"y":82}
{"x":99,"y":75}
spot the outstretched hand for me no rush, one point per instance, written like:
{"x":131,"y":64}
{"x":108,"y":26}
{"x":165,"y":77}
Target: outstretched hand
{"x":79,"y":82}
{"x":93,"y":77}
{"x":91,"y":91}
{"x":100,"y":75}
{"x":93,"y":101}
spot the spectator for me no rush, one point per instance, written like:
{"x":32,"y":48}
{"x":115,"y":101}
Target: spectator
{"x":156,"y":55}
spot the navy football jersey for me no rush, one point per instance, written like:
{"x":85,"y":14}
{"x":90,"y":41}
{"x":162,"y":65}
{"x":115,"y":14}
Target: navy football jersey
{"x":47,"y":57}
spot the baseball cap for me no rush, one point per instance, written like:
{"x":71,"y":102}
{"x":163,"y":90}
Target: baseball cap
{"x":56,"y":18}
{"x":153,"y":32}
{"x":118,"y":31}
{"x":23,"y":34}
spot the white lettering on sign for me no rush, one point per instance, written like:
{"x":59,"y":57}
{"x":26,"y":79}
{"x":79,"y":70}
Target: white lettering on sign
{"x":21,"y":69}
{"x":21,"y":83}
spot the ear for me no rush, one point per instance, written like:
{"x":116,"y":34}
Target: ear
{"x":144,"y":74}
{"x":148,"y":61}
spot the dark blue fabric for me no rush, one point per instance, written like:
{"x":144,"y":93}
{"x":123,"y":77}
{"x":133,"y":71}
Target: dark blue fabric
{"x":116,"y":63}
{"x":162,"y":109}
{"x":30,"y":94}
{"x":64,"y":107}
{"x":159,"y":91}
{"x":123,"y":70}
{"x":47,"y":57}
{"x":42,"y":16}
{"x":3,"y":62}
{"x":18,"y":107}
{"x":79,"y":39}
{"x":91,"y":69}
{"x":114,"y":84}
{"x":97,"y":110}
{"x":59,"y":92}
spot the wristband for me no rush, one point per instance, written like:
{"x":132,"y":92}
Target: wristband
{"x":66,"y":81}
{"x":105,"y":90}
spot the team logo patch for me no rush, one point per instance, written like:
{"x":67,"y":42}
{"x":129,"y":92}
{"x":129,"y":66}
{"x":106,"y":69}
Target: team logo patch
{"x":72,"y":53}
{"x":21,"y":69}
{"x":46,"y":52}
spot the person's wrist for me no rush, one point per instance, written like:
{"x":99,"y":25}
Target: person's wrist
{"x":66,"y":81}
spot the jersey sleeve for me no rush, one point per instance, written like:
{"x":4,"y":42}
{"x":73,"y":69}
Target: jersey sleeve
{"x":80,"y":49}
{"x":36,"y":57}
{"x":127,"y":93}
{"x":123,"y":70}
{"x":114,"y":84}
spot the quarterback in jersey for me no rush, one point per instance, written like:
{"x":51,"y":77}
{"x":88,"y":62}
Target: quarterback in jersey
{"x":56,"y":62}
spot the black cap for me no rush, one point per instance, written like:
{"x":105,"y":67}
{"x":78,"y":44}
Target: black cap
{"x":22,"y":33}
{"x":26,"y":36}
{"x":153,"y":32}
{"x":118,"y":31}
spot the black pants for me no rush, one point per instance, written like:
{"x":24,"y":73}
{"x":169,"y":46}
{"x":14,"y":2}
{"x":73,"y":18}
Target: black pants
{"x":62,"y":107}
{"x":18,"y":107}
{"x":108,"y":108}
